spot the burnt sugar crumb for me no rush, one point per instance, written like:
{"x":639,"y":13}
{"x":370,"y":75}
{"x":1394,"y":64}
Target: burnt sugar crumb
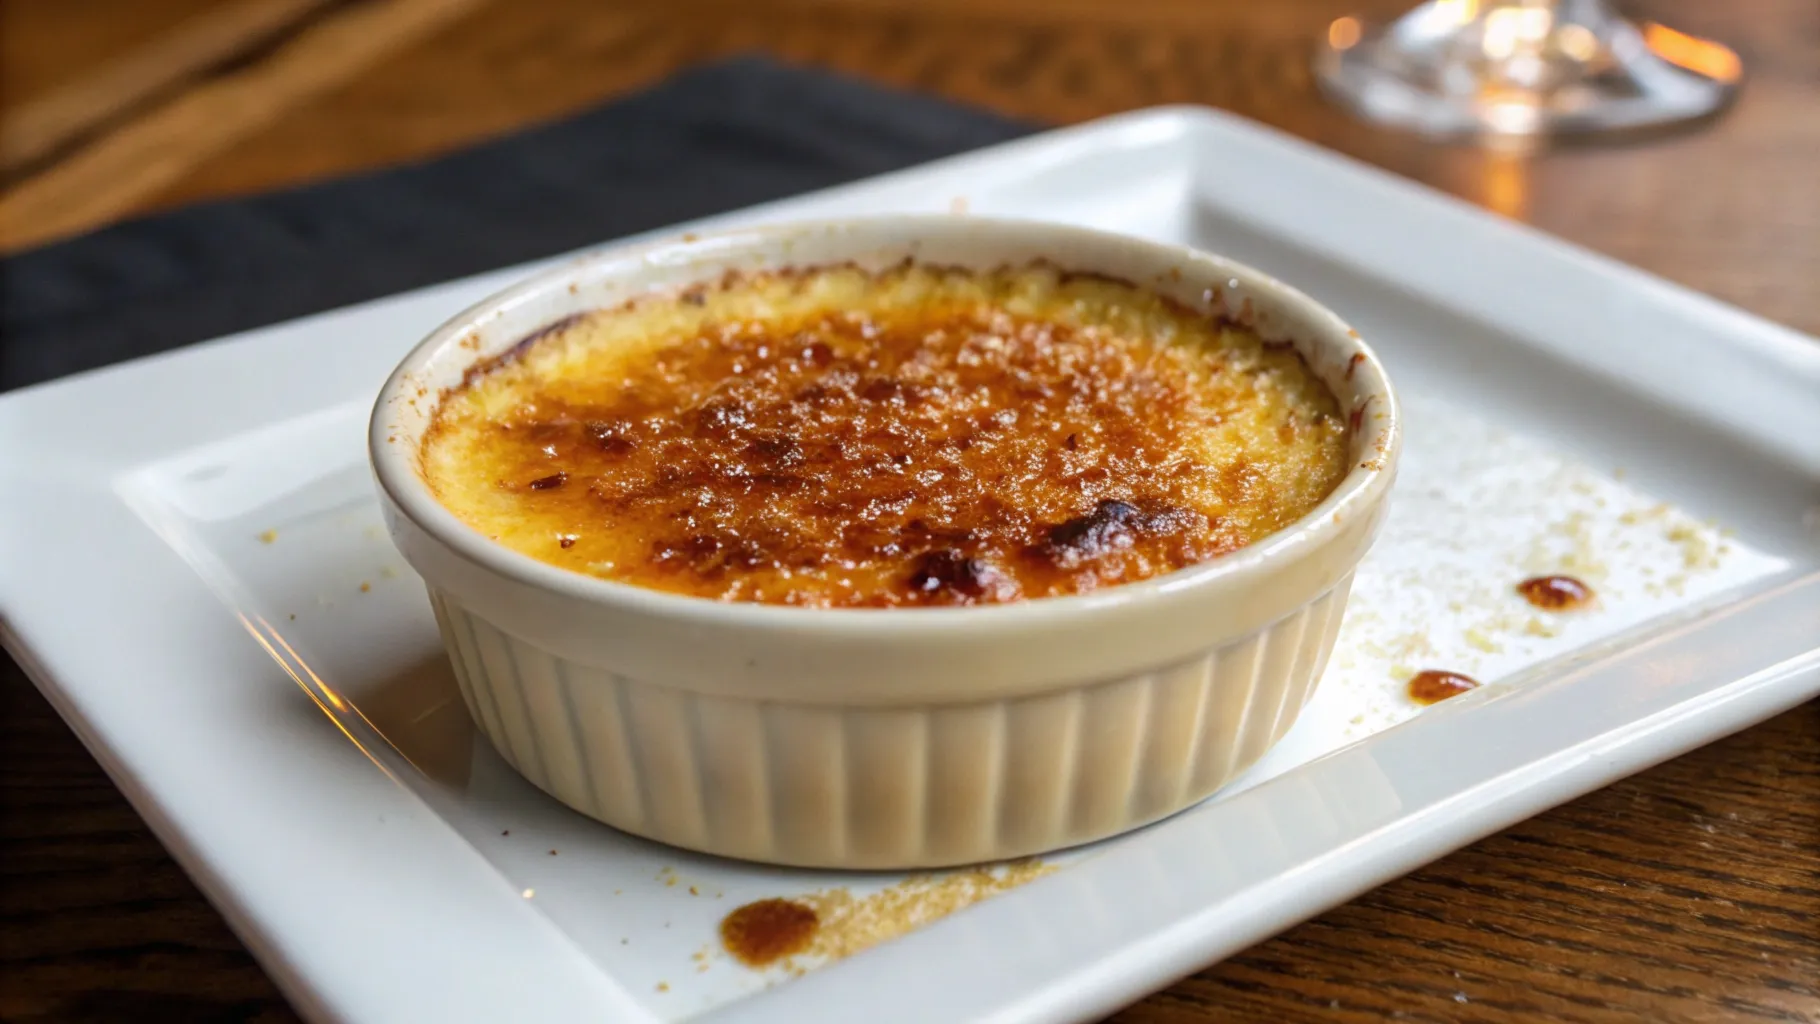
{"x":829,"y":437}
{"x":1113,"y":525}
{"x":945,"y":574}
{"x":1556,"y":593}
{"x":1432,"y":686}
{"x":765,"y":931}
{"x":833,"y":924}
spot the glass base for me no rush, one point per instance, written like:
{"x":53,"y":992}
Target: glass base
{"x":1459,"y":68}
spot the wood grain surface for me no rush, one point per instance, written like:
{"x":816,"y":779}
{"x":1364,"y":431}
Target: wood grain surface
{"x":1688,"y":893}
{"x":61,"y":118}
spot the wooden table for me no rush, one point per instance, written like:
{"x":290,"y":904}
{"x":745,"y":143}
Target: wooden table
{"x":1691,"y":892}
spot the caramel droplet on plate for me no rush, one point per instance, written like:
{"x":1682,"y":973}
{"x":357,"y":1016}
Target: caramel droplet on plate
{"x":1432,"y":686}
{"x":1556,"y":593}
{"x":765,"y":932}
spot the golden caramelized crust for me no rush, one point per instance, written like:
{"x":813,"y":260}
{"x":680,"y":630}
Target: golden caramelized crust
{"x":920,"y":436}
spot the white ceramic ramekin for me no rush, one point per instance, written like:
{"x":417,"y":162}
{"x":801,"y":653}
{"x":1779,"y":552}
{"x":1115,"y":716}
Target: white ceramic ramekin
{"x":896,"y":737}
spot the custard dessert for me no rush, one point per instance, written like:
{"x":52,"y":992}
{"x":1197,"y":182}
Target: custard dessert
{"x":831,"y":437}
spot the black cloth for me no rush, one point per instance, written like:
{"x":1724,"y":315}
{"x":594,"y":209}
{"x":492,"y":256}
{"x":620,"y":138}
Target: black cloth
{"x":714,"y":138}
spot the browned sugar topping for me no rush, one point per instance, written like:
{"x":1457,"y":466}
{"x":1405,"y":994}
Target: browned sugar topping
{"x":922,"y":436}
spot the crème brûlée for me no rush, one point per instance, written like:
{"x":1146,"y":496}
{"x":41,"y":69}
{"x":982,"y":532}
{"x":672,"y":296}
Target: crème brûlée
{"x":833,"y":437}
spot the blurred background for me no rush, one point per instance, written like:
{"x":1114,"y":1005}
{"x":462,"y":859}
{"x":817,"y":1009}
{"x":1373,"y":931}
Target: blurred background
{"x":117,"y":107}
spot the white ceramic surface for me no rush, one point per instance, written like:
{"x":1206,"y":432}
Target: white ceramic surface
{"x":887,"y":738}
{"x":318,"y":776}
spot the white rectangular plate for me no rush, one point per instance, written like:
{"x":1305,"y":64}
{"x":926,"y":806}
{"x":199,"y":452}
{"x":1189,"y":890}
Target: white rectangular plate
{"x":191,"y":568}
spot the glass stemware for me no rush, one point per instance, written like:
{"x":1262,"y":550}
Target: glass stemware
{"x":1524,"y":68}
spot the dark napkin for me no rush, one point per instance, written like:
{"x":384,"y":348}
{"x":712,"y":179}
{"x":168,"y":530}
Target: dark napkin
{"x":714,"y":138}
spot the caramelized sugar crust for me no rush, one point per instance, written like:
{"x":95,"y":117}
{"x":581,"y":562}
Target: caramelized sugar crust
{"x":921,"y":436}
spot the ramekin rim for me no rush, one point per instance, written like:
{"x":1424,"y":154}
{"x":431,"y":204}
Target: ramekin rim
{"x":1362,"y":488}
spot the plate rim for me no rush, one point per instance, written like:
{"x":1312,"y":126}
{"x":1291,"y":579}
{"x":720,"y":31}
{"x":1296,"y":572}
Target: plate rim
{"x":87,"y":471}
